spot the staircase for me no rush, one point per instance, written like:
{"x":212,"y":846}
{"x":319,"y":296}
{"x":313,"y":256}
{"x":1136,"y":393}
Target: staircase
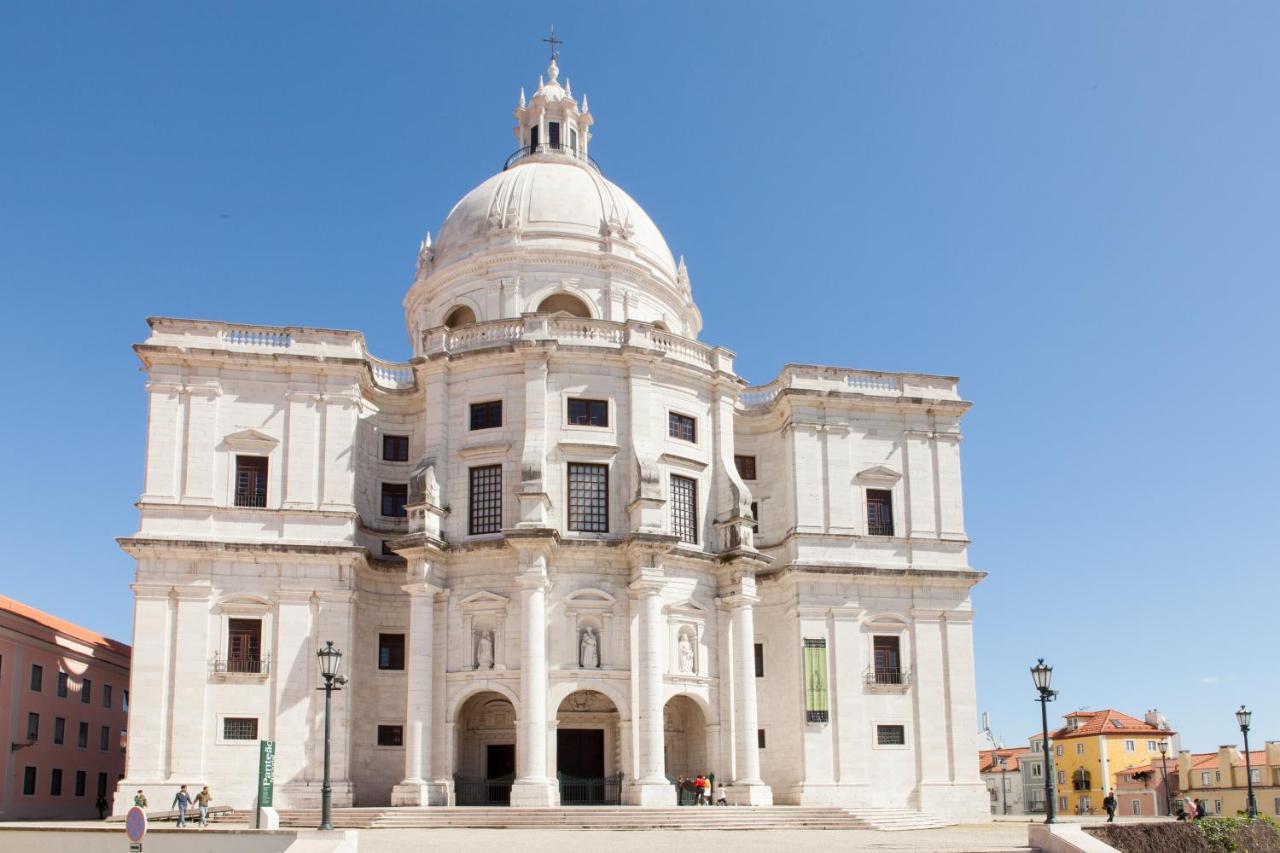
{"x":617,"y":818}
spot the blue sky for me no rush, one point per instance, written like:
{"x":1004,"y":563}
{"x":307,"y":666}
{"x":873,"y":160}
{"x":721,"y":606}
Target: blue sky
{"x":1073,"y":207}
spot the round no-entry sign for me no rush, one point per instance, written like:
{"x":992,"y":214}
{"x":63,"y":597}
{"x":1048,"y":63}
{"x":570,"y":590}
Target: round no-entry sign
{"x":135,"y":824}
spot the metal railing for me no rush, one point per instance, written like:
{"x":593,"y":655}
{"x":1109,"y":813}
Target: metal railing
{"x":888,"y":677}
{"x":482,"y":792}
{"x":251,"y":499}
{"x":254,"y":666}
{"x":590,"y":791}
{"x":550,"y":148}
{"x":880,"y":528}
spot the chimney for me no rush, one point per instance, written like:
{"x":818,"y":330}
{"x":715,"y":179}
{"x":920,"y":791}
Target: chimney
{"x":1228,"y":755}
{"x":1156,"y":719}
{"x":1273,"y":753}
{"x":1184,"y":770}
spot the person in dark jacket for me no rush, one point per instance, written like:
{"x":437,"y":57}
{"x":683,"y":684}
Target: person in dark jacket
{"x":1109,"y":803}
{"x":101,"y":806}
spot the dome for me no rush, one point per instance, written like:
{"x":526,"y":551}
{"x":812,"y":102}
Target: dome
{"x":556,"y":203}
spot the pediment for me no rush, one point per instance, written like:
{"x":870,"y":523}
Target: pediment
{"x":879,"y":474}
{"x":688,"y":607}
{"x":250,"y":439}
{"x":484,"y":600}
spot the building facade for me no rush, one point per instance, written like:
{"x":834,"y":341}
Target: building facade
{"x":1031,"y":769}
{"x":64,"y":715}
{"x":1001,"y":771}
{"x":564,"y":541}
{"x":1095,"y":749}
{"x":1219,"y":779}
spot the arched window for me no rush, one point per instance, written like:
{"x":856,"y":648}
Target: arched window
{"x":460,"y":316}
{"x":563,"y":303}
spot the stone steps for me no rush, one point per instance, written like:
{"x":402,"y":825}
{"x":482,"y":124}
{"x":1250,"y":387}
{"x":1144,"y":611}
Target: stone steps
{"x":619,"y":818}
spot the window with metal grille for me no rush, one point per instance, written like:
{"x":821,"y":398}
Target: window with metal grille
{"x":682,"y":427}
{"x":684,"y":508}
{"x":888,"y":662}
{"x":391,"y":651}
{"x":239,"y":728}
{"x":891,"y":735}
{"x":251,"y":481}
{"x":746,"y":466}
{"x":485,"y":514}
{"x":759,"y":648}
{"x":390,"y":736}
{"x":486,"y":415}
{"x":395,"y":448}
{"x":394,"y":497}
{"x":588,"y":497}
{"x":588,"y":412}
{"x":879,"y":512}
{"x":244,"y":645}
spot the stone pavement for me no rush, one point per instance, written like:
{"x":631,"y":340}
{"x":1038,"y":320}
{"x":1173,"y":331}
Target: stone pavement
{"x":972,"y":838}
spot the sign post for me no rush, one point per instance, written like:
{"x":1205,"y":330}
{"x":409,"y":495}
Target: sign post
{"x":135,"y":826}
{"x":266,"y":779}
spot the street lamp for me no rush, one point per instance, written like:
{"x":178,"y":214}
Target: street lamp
{"x":1243,"y":716}
{"x":330,"y":659}
{"x":1164,"y":768}
{"x":1004,"y":791}
{"x":1041,"y":674}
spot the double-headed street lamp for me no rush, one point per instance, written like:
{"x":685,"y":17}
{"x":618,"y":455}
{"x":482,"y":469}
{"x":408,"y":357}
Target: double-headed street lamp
{"x":1164,"y":768}
{"x":1041,"y":674}
{"x":1243,"y":716}
{"x":330,"y":659}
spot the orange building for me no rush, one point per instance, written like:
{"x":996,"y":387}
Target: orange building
{"x":64,"y":702}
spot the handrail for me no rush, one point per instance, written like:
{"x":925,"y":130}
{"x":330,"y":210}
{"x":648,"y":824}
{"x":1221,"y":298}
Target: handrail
{"x":550,"y":148}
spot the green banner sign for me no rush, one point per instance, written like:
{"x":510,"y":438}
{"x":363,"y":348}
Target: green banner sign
{"x":266,"y":775}
{"x":815,"y":681}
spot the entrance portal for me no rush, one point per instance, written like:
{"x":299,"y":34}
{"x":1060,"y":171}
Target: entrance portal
{"x":485,"y":765}
{"x":586,"y":750}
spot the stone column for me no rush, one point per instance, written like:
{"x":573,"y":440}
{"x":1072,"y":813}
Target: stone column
{"x":294,"y":677}
{"x":533,"y":787}
{"x":747,"y":787}
{"x":651,"y":786}
{"x":416,"y":790}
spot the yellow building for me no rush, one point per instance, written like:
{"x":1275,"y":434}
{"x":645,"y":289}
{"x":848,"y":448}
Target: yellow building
{"x":1094,"y":748}
{"x":1218,"y":779}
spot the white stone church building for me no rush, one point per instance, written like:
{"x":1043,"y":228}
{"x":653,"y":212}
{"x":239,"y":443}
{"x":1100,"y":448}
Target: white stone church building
{"x":568,"y":553}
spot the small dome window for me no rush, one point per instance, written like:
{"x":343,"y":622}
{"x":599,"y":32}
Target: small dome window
{"x":563,"y":303}
{"x":460,"y":316}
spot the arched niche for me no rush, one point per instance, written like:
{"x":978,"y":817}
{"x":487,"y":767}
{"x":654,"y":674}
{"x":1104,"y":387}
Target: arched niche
{"x":564,"y":304}
{"x":462,"y":315}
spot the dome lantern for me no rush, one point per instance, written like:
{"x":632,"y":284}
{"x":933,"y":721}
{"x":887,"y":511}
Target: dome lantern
{"x":551,"y":124}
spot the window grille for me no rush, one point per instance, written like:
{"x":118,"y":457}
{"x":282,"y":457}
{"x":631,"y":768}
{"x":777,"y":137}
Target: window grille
{"x":588,"y":497}
{"x":879,"y":512}
{"x":240,"y":728}
{"x":891,"y":735}
{"x":684,"y":508}
{"x":682,"y":427}
{"x":485,"y":514}
{"x":888,"y":662}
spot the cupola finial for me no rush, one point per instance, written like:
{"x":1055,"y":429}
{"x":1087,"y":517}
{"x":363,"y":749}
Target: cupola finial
{"x":555,"y":45}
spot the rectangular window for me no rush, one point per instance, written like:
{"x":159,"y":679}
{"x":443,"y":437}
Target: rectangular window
{"x":887,"y":659}
{"x":102,"y":784}
{"x":81,"y":778}
{"x":1255,"y":776}
{"x":1057,"y":750}
{"x":1037,"y":770}
{"x":879,"y":512}
{"x":1217,"y":806}
{"x":815,"y":681}
{"x":746,"y":466}
{"x":390,"y":736}
{"x":251,"y":481}
{"x":82,"y":736}
{"x":1130,"y":746}
{"x":55,"y":782}
{"x":33,"y":727}
{"x":755,"y":517}
{"x":106,"y":695}
{"x":1079,"y":749}
{"x":59,"y":730}
{"x":588,"y":412}
{"x":760,"y":738}
{"x":391,"y":651}
{"x":759,"y":648}
{"x":395,"y":448}
{"x":394,"y":497}
{"x":86,"y":691}
{"x":1062,"y":804}
{"x":1206,"y":778}
{"x":486,"y":415}
{"x":244,"y":645}
{"x":1137,"y":807}
{"x":1151,"y":746}
{"x":62,"y":685}
{"x":485,"y":515}
{"x":1217,"y":775}
{"x":1062,"y":777}
{"x":682,"y":427}
{"x":891,"y":735}
{"x":29,"y":781}
{"x":37,"y":677}
{"x":104,"y":738}
{"x":553,"y":133}
{"x":239,"y":728}
{"x":588,"y":497}
{"x":684,"y":508}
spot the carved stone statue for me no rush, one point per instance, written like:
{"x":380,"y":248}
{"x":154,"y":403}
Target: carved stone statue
{"x":588,"y":650}
{"x":686,"y":654}
{"x":423,"y":485}
{"x":484,"y":651}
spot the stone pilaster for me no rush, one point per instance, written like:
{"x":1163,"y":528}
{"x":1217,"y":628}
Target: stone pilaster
{"x":416,"y":789}
{"x":533,"y":784}
{"x":650,"y":787}
{"x":189,"y":682}
{"x":747,"y":787}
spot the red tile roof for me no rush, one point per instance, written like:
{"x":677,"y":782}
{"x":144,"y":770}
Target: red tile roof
{"x":1106,"y":722}
{"x":62,"y":626}
{"x":1204,"y":760}
{"x":986,"y":759}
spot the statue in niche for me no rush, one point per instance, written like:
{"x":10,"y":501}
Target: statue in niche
{"x":686,"y":654}
{"x":484,"y":650}
{"x":423,"y":485}
{"x":588,"y":650}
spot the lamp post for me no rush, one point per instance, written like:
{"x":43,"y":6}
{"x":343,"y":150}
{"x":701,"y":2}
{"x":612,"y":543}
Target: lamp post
{"x":1164,"y":768}
{"x":1041,"y":674}
{"x":1004,"y":792}
{"x":330,"y":659}
{"x":1243,"y":716}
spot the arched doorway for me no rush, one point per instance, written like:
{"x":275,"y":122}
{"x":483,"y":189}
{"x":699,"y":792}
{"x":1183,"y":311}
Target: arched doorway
{"x":485,"y":765}
{"x":684,"y":738}
{"x":588,"y":750}
{"x":564,"y":303}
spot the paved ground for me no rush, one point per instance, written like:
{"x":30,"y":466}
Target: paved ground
{"x":977,"y":838}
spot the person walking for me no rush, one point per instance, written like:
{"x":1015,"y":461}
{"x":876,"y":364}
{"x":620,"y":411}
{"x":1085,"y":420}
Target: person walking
{"x":706,"y":790}
{"x":1109,"y":803}
{"x":1193,"y":810}
{"x":697,"y":790}
{"x":140,"y":799}
{"x":203,"y":799}
{"x":101,"y":806}
{"x":182,"y":802}
{"x":721,"y":798}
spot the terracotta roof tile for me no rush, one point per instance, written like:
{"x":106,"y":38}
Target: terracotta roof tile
{"x":1106,"y":722}
{"x":62,"y":626}
{"x":986,"y":759}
